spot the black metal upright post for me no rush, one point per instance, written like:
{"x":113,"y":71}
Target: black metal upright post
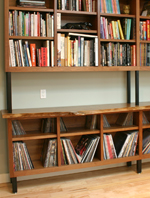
{"x":9,"y":96}
{"x":139,"y":162}
{"x":129,"y":97}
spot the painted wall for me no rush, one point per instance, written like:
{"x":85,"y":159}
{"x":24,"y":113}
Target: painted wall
{"x":63,"y":89}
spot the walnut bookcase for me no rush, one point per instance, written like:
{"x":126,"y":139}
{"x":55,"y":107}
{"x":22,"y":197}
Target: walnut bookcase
{"x":31,"y":119}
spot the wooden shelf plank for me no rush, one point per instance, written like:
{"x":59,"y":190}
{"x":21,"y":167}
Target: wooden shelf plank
{"x":33,"y":135}
{"x":119,"y":128}
{"x":31,"y":38}
{"x":96,"y":162}
{"x":144,"y":41}
{"x":77,"y":30}
{"x":74,"y":110}
{"x":76,"y":132}
{"x":145,"y":17}
{"x":76,"y":12}
{"x":72,"y":69}
{"x":117,"y":15}
{"x":30,"y":9}
{"x":118,"y":40}
{"x":146,"y":156}
{"x":146,"y":126}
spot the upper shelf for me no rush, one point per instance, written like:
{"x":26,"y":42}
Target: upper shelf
{"x":31,"y":9}
{"x":76,"y":12}
{"x":117,"y":15}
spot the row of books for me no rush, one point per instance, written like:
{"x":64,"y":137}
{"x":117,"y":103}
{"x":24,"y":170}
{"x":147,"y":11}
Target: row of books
{"x":116,"y":54}
{"x":144,"y":54}
{"x":113,"y":29}
{"x":110,"y":6}
{"x":21,"y":157}
{"x":25,"y":55}
{"x":76,"y":5}
{"x":17,"y":128}
{"x":145,"y":30}
{"x":31,"y":24}
{"x":77,"y":50}
{"x":31,"y":3}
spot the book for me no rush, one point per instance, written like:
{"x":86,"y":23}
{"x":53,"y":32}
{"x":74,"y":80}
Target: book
{"x":33,"y":54}
{"x":125,"y":119}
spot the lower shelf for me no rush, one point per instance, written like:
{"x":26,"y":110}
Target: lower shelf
{"x":39,"y":169}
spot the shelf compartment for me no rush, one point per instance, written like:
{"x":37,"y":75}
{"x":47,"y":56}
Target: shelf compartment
{"x":117,"y":128}
{"x":117,"y":15}
{"x":30,"y":38}
{"x":144,"y":41}
{"x":145,"y":17}
{"x":77,"y":132}
{"x":118,"y":40}
{"x":33,"y":135}
{"x":30,"y":9}
{"x":70,"y":12}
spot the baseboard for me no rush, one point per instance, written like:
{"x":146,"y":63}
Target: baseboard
{"x":4,"y":178}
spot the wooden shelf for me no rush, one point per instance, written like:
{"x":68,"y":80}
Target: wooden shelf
{"x":77,"y":132}
{"x":70,"y":12}
{"x":116,"y":128}
{"x":31,"y":38}
{"x":76,"y":30}
{"x":144,"y":41}
{"x":33,"y":135}
{"x":146,"y":126}
{"x":117,"y":40}
{"x":145,"y":17}
{"x":72,"y":69}
{"x":30,"y":9}
{"x":117,"y":15}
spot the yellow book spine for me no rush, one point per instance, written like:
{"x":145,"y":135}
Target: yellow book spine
{"x":120,"y":30}
{"x":114,"y":31}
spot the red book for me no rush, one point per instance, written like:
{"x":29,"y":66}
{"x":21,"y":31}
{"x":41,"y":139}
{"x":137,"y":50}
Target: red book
{"x":148,"y":29}
{"x":80,"y":5}
{"x":134,"y":55}
{"x":38,"y":24}
{"x":102,"y":6}
{"x":109,"y":148}
{"x":113,"y":6}
{"x":33,"y":54}
{"x":111,"y":31}
{"x":44,"y":56}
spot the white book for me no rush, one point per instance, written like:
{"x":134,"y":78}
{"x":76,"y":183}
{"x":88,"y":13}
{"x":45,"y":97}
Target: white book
{"x":17,"y":56}
{"x":35,"y":24}
{"x":85,"y":53}
{"x":58,"y":20}
{"x":96,"y":51}
{"x":21,"y":52}
{"x":52,"y":26}
{"x":82,"y":51}
{"x":32,"y":25}
{"x":124,"y":145}
{"x":83,"y":35}
{"x":28,"y":53}
{"x":12,"y":53}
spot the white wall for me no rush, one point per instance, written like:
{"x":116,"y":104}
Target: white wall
{"x":63,"y":89}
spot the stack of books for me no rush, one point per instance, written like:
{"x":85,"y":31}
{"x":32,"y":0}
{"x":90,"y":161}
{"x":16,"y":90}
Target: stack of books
{"x":21,"y":157}
{"x":77,"y":5}
{"x":110,"y":6}
{"x":146,"y":141}
{"x":17,"y":128}
{"x":25,"y":55}
{"x":49,"y":153}
{"x":30,"y":24}
{"x":125,"y":143}
{"x":77,"y":50}
{"x":117,"y":54}
{"x":31,"y":3}
{"x":144,"y":54}
{"x":86,"y":148}
{"x":68,"y":154}
{"x":108,"y":147}
{"x":49,"y":125}
{"x":145,"y":30}
{"x":113,"y":29}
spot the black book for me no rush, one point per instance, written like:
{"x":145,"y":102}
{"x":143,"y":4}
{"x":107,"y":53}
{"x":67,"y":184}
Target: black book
{"x":128,"y":55}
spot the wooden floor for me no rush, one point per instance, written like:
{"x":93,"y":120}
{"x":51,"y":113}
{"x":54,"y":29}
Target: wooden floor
{"x":122,"y":182}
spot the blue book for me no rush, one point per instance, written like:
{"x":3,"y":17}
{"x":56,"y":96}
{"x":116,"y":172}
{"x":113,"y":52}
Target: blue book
{"x":128,"y":28}
{"x":102,"y":29}
{"x":110,"y":7}
{"x":79,"y":51}
{"x":118,"y":6}
{"x":107,"y":6}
